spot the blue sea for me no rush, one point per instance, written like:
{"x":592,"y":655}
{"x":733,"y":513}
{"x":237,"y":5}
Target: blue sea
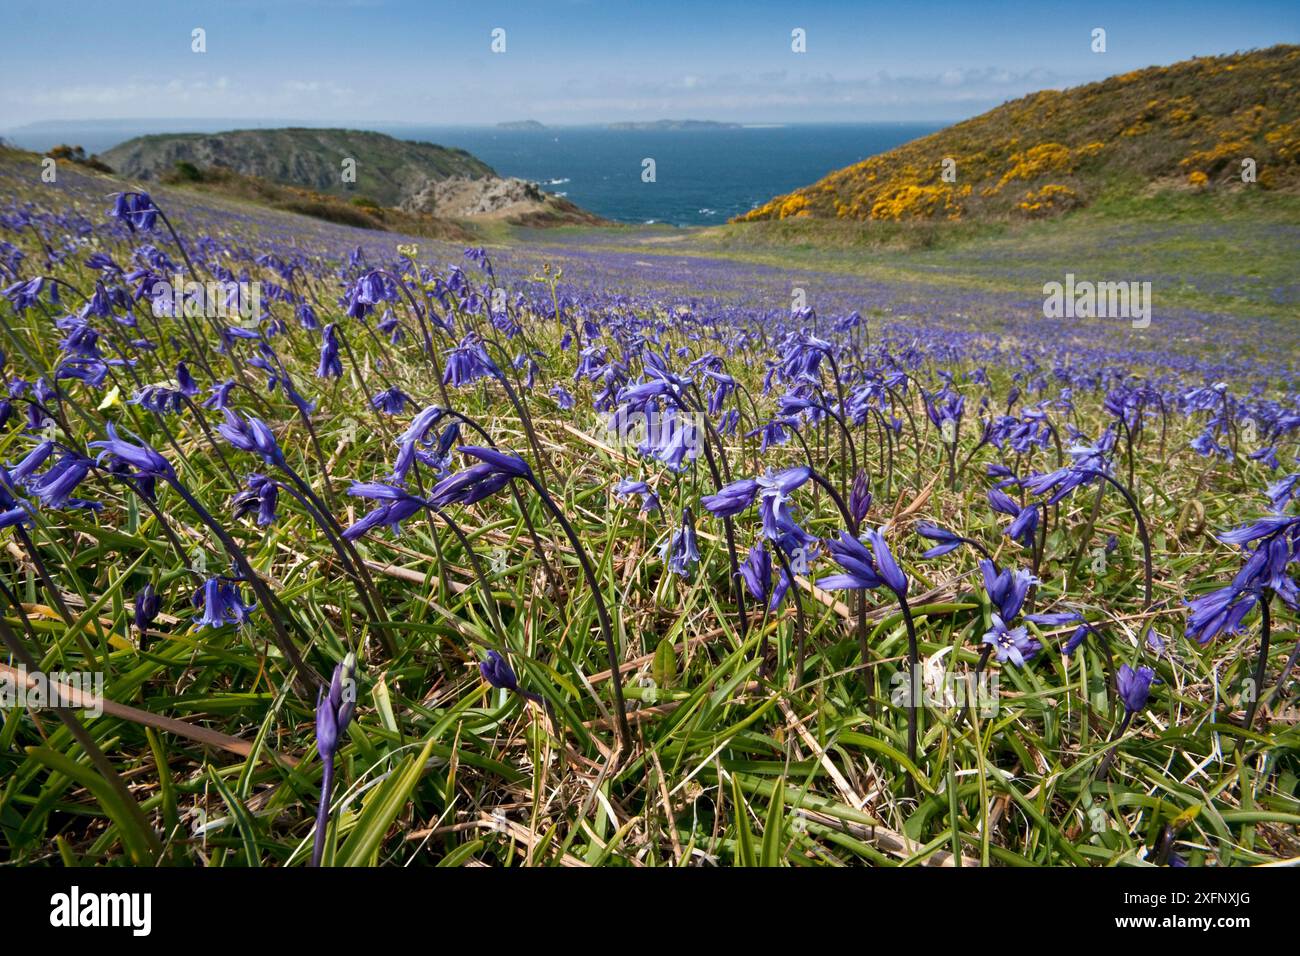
{"x":702,"y":176}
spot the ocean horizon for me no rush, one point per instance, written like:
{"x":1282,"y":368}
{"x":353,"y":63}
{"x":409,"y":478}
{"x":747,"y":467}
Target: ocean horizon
{"x":702,"y":176}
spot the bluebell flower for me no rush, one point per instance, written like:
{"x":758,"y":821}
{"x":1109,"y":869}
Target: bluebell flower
{"x":33,"y":460}
{"x":731,"y":499}
{"x":391,"y":401}
{"x":185,"y":381}
{"x":1218,"y":612}
{"x":251,"y":434}
{"x":859,"y":497}
{"x":1006,"y":589}
{"x":1268,"y":456}
{"x":1013,"y":644}
{"x":865,"y":568}
{"x":146,"y":461}
{"x":756,"y":572}
{"x":1285,"y":489}
{"x":23,"y":295}
{"x":948,"y":541}
{"x":1061,"y":619}
{"x":1077,"y":637}
{"x":81,"y":339}
{"x":396,"y":506}
{"x":771,"y":434}
{"x":1134,"y":687}
{"x":562,"y":397}
{"x":218,"y":395}
{"x":16,"y":513}
{"x":221,"y":604}
{"x":334,"y":709}
{"x":145,"y":608}
{"x":774,"y":492}
{"x":1003,"y":503}
{"x":681,"y":552}
{"x":497,"y":672}
{"x":628,"y":487}
{"x":136,"y":210}
{"x":1262,"y":528}
{"x":261,"y":497}
{"x":510,"y":465}
{"x":422,"y":425}
{"x":1025,"y":527}
{"x":54,"y":487}
{"x":92,"y":372}
{"x":159,"y":398}
{"x":331,"y":366}
{"x":1090,"y":462}
{"x":467,"y":363}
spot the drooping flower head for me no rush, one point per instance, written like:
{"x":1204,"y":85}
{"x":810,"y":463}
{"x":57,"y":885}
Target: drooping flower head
{"x":251,"y":434}
{"x":145,"y":608}
{"x":1134,"y":686}
{"x":221,"y":604}
{"x":146,"y":461}
{"x":395,"y":506}
{"x":681,"y":552}
{"x":497,"y":672}
{"x":867,"y":565}
{"x":1007,"y":588}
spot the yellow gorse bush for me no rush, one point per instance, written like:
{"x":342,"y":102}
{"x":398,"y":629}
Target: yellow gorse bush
{"x":1067,"y":147}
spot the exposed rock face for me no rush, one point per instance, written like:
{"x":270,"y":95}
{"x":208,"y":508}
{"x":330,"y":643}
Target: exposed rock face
{"x":462,"y":198}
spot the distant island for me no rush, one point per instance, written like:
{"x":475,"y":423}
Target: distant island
{"x":669,"y":124}
{"x":521,"y":124}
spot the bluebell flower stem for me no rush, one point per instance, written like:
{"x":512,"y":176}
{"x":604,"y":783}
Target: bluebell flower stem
{"x":323,"y":811}
{"x":606,"y":628}
{"x":56,"y":596}
{"x":801,"y":627}
{"x":353,"y":565}
{"x":1103,"y":769}
{"x":552,"y":579}
{"x":914,"y":675}
{"x":304,"y":675}
{"x":1087,"y":532}
{"x":1266,"y":629}
{"x":986,"y":651}
{"x":1142,"y":531}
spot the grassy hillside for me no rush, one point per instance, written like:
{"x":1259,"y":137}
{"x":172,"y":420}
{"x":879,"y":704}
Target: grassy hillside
{"x":1186,"y":127}
{"x":387,"y":169}
{"x":358,"y":211}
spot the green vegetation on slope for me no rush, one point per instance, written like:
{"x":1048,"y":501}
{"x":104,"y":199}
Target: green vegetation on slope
{"x":387,"y":169}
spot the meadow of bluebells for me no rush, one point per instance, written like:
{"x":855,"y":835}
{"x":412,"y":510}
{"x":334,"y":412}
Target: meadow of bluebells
{"x":440,"y":538}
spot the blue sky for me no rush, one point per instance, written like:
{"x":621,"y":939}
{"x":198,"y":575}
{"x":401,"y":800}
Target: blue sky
{"x":430,"y":63}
